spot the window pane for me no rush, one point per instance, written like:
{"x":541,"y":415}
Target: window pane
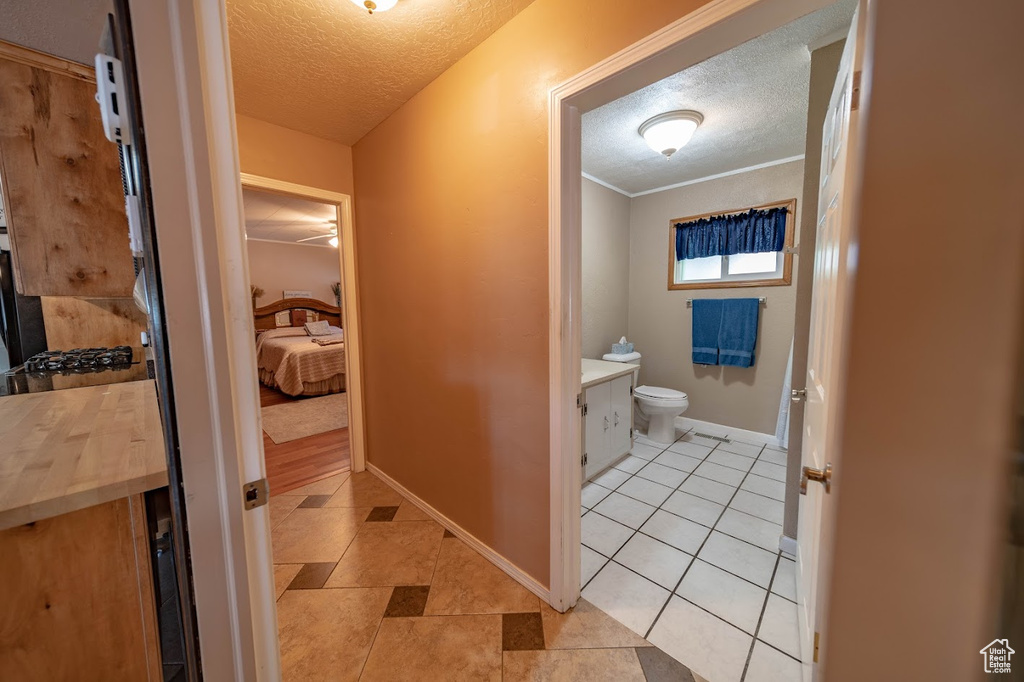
{"x":751,"y":263}
{"x":699,"y":268}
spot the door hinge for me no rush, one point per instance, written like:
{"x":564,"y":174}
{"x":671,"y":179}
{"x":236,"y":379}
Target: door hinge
{"x":631,"y":390}
{"x":585,"y":410}
{"x":579,"y":400}
{"x":583,"y":460}
{"x":817,"y":637}
{"x":255,"y":494}
{"x":855,"y":95}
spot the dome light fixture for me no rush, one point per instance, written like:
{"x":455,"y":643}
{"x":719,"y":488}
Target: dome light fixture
{"x":669,"y":132}
{"x":372,"y":6}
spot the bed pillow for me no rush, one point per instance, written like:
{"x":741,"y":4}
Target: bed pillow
{"x":321,"y":328}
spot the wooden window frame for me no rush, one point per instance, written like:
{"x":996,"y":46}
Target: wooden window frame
{"x":787,"y":255}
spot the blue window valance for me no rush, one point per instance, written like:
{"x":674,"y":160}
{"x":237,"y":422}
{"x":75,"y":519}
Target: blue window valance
{"x":723,"y":235}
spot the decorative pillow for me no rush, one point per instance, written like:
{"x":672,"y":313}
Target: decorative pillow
{"x":321,"y":328}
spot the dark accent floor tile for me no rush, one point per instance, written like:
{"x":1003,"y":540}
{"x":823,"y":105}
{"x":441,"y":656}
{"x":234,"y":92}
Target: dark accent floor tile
{"x":448,"y":533}
{"x":314,"y":501}
{"x":382,"y":514}
{"x":521,"y":631}
{"x":407,"y":601}
{"x":660,"y":667}
{"x":311,"y":576}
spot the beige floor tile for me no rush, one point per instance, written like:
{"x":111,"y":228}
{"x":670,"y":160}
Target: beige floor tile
{"x":465,"y":582}
{"x":280,"y":507}
{"x":410,"y":512}
{"x":315,"y":535}
{"x":365,"y":490}
{"x":449,"y":648}
{"x":577,"y":665}
{"x":327,"y":634}
{"x":283,"y":575}
{"x":585,"y":627}
{"x":325,"y":486}
{"x":388,"y":554}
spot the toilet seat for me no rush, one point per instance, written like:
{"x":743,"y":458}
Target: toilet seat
{"x":658,"y":394}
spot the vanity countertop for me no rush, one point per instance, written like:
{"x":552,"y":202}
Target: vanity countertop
{"x":599,"y":371}
{"x":75,"y":448}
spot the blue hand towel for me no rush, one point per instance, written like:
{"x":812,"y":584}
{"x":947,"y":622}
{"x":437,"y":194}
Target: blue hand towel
{"x":738,"y":333}
{"x":707,"y":321}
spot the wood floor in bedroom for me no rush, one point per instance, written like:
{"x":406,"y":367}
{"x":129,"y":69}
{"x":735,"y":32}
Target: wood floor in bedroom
{"x":300,"y":462}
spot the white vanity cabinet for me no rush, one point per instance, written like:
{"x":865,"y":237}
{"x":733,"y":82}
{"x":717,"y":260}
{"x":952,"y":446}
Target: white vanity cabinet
{"x":607,"y":414}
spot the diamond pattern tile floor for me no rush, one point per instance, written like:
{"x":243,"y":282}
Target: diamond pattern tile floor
{"x":706,"y":558}
{"x":370,"y":588}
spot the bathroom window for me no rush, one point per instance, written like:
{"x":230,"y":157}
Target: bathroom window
{"x":773,"y":268}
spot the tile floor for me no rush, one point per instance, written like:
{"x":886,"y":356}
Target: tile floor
{"x":681,"y":545}
{"x":370,"y":588}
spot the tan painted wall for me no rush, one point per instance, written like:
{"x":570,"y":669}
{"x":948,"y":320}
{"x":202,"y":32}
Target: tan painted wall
{"x":274,"y":152}
{"x":605,"y":218}
{"x":824,"y":67}
{"x":921,"y":497}
{"x":660,"y":322}
{"x":276,"y":266}
{"x":452,"y":229}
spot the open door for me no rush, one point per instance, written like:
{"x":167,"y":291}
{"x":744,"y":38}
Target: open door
{"x":819,"y":455}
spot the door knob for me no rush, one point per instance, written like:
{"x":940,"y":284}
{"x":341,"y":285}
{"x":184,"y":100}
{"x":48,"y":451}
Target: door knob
{"x":798,"y":394}
{"x":606,"y":423}
{"x":616,"y":419}
{"x":819,"y":475}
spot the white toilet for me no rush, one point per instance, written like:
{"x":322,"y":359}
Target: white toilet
{"x":660,"y":406}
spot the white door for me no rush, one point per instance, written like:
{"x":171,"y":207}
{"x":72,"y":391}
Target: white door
{"x":825,"y":345}
{"x":621,"y":416}
{"x":596,"y":424}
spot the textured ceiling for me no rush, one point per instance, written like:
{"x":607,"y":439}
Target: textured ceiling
{"x":327,"y":68}
{"x":279,"y":218}
{"x":754,"y":101}
{"x":67,"y":29}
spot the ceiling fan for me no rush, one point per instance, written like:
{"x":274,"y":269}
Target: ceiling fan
{"x":331,"y":237}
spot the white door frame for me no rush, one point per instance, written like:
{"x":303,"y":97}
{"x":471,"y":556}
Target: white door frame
{"x":717,"y":26}
{"x":184,"y":70}
{"x":350,"y":309}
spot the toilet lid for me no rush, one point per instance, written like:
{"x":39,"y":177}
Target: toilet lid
{"x":657,"y":392}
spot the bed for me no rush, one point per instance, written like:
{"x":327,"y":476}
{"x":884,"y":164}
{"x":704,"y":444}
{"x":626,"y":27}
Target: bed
{"x":288,"y":359}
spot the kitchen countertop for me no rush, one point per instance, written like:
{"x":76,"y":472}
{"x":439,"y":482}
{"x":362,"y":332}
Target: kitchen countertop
{"x":61,"y":451}
{"x":598,"y":371}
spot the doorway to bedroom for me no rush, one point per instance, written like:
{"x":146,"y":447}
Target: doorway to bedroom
{"x":295,"y":254}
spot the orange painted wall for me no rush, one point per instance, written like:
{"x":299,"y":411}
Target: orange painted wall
{"x":451,"y":222}
{"x":272,"y":151}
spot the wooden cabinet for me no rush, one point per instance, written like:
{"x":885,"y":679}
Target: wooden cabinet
{"x":61,"y":181}
{"x":77,"y":595}
{"x":607,"y":424}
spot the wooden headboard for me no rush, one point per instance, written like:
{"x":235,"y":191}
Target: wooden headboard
{"x":265,"y":316}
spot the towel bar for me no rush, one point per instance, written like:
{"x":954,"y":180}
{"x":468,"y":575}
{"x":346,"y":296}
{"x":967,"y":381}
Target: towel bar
{"x":762,"y":300}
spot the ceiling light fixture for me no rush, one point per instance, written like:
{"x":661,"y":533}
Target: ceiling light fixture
{"x":669,"y":132}
{"x":372,"y":6}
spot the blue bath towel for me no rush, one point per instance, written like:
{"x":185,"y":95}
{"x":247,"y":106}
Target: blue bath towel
{"x":738,"y":333}
{"x":707,"y":321}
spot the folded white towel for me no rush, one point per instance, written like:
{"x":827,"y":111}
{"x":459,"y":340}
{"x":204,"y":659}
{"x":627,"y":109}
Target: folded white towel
{"x":623,"y":357}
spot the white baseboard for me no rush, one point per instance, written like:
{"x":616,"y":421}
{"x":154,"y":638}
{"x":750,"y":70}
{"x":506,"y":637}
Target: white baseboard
{"x":788,"y":546}
{"x":461,"y":533}
{"x":740,"y":434}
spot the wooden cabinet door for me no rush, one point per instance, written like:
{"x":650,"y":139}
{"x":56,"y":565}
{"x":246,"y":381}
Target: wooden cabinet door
{"x":621,"y":416}
{"x":62,"y":189}
{"x":596,"y":425}
{"x":77,"y":596}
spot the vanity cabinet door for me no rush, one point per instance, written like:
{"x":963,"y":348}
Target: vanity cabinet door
{"x":61,"y":183}
{"x":621,"y":416}
{"x":596,"y":425}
